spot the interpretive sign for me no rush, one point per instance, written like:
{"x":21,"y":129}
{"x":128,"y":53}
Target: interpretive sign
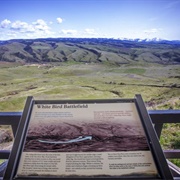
{"x":86,"y":139}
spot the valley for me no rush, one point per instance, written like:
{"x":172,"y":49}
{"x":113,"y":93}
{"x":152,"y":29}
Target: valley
{"x":82,"y":68}
{"x":158,"y":84}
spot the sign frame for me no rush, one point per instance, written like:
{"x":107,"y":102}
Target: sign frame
{"x":152,"y":139}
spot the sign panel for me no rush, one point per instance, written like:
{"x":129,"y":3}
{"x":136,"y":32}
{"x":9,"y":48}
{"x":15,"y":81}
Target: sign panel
{"x":65,"y":139}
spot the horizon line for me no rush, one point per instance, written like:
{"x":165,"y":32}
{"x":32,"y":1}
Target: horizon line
{"x":128,"y":39}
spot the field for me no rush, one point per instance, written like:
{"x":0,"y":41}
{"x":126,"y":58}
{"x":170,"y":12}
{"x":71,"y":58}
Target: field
{"x":158,"y":84}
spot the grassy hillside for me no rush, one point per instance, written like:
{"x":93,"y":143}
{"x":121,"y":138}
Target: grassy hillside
{"x":88,"y":50}
{"x":158,"y":84}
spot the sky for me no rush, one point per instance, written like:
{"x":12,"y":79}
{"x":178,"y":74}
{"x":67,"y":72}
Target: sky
{"x":131,"y":19}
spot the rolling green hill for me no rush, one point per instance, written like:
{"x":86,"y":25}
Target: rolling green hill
{"x":88,"y":50}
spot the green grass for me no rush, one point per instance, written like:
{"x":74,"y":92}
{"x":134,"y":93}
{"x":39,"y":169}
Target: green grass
{"x":1,"y":161}
{"x":170,"y":139}
{"x":139,"y":71}
{"x":75,"y":81}
{"x":13,"y":104}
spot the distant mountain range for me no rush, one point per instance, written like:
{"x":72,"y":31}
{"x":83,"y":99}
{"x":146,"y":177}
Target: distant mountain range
{"x":154,"y":40}
{"x":87,"y":50}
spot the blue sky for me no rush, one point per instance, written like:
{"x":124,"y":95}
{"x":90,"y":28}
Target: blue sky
{"x":90,"y":18}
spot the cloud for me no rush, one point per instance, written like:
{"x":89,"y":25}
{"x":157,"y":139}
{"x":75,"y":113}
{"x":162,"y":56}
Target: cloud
{"x":153,"y":33}
{"x":40,"y":29}
{"x":153,"y":30}
{"x":69,"y":31}
{"x":12,"y":34}
{"x":17,"y":25}
{"x":40,"y":22}
{"x":90,"y":31}
{"x":41,"y":25}
{"x":59,"y":20}
{"x":5,"y":23}
{"x":22,"y":27}
{"x":37,"y":29}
